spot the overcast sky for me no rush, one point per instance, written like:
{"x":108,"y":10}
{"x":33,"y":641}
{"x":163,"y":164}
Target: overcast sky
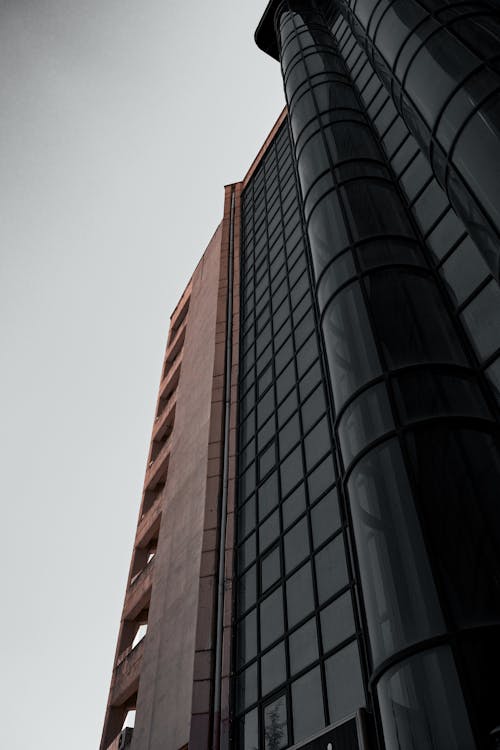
{"x":120,"y":122}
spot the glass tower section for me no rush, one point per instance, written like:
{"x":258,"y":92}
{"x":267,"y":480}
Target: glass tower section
{"x":297,"y":654}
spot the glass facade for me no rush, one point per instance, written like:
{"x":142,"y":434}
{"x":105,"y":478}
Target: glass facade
{"x":297,"y":629}
{"x":405,"y":281}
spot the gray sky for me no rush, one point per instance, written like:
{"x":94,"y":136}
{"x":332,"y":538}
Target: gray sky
{"x":120,"y":122}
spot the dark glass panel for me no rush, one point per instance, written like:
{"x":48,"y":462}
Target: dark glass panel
{"x":249,"y":731}
{"x":273,"y":668}
{"x":331,"y":569}
{"x":380,"y":206}
{"x":299,"y":595}
{"x":458,"y":475}
{"x":340,"y":271}
{"x":265,"y":407}
{"x":430,"y":206}
{"x":310,"y":380}
{"x":344,"y":683}
{"x":303,"y":645}
{"x":428,"y":393}
{"x":366,"y":419}
{"x":306,"y":356}
{"x":287,"y":407}
{"x":337,"y":621}
{"x":275,"y":725}
{"x":294,"y":506}
{"x":493,"y":375}
{"x":247,"y":552}
{"x":317,"y":442}
{"x":270,"y":569}
{"x":325,"y":518}
{"x":481,"y":319}
{"x":291,"y":470}
{"x":289,"y":435}
{"x":268,"y":495}
{"x":307,"y":705}
{"x":446,"y":234}
{"x":296,"y":544}
{"x":247,"y":482}
{"x":400,"y":598}
{"x":313,"y":408}
{"x":267,"y":460}
{"x":269,"y":531}
{"x":247,"y":590}
{"x":415,"y":176}
{"x":321,"y":478}
{"x":285,"y":382}
{"x":271,"y":618}
{"x":246,"y":518}
{"x":247,"y":688}
{"x":412,"y":322}
{"x":422,"y":705}
{"x":247,"y":638}
{"x":464,"y":270}
{"x":350,"y":347}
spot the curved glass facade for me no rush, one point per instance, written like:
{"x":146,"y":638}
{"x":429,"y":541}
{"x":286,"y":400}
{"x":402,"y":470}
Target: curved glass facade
{"x":441,"y":64}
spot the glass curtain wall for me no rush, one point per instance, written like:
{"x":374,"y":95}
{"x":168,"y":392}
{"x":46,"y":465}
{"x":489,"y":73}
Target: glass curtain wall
{"x":297,"y":655}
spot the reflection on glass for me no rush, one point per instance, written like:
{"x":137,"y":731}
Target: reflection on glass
{"x":307,"y":705}
{"x":363,"y":421}
{"x":422,"y":705}
{"x":400,"y":598}
{"x":275,"y":724}
{"x":344,"y":683}
{"x":351,"y":352}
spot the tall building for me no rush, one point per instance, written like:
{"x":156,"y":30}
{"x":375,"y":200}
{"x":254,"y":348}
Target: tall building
{"x":317,"y":557}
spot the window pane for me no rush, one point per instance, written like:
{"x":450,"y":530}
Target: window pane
{"x":349,"y":343}
{"x":296,"y":545}
{"x":269,"y":531}
{"x":331,"y":569}
{"x":303,"y":646}
{"x":325,"y":518}
{"x":299,"y":595}
{"x":344,"y":683}
{"x":268,"y":495}
{"x":294,"y":506}
{"x":337,"y":621}
{"x":317,"y":443}
{"x":247,"y":590}
{"x":273,"y":668}
{"x":270,"y":569}
{"x":291,"y":470}
{"x":366,"y":419}
{"x":307,"y":704}
{"x":422,"y":704}
{"x":400,"y":598}
{"x":247,"y":638}
{"x":320,"y":479}
{"x":275,"y":725}
{"x":249,"y":731}
{"x":247,"y":687}
{"x":481,"y":317}
{"x":464,"y":270}
{"x":271,"y":618}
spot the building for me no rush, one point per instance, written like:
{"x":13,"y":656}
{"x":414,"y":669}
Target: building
{"x":317,"y":555}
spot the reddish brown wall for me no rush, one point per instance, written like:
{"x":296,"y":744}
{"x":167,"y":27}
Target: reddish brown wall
{"x":165,"y":690}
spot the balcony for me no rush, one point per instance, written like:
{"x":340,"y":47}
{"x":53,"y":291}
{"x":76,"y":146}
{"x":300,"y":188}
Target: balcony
{"x":169,"y":382}
{"x":139,"y":592}
{"x":165,"y":419}
{"x":158,"y":467}
{"x":149,"y":525}
{"x":175,"y":345}
{"x":127,"y":674}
